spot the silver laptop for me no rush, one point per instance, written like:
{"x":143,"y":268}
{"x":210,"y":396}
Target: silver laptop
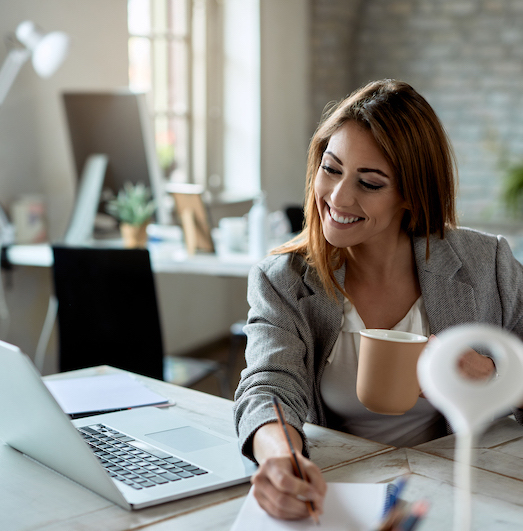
{"x":135,"y":458}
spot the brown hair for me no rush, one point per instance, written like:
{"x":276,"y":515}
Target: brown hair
{"x":415,"y":144}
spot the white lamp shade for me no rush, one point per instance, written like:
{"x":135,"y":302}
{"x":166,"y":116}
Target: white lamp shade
{"x":48,"y":50}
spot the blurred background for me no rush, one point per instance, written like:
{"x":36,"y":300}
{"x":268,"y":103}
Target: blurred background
{"x":235,"y":91}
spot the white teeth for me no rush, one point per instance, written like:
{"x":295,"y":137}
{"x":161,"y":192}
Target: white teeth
{"x":342,"y":219}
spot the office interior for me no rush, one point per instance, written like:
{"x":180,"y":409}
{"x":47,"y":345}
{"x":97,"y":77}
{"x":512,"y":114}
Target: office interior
{"x":464,"y":57}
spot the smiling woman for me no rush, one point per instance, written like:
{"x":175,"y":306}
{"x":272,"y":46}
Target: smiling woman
{"x":380,"y":196}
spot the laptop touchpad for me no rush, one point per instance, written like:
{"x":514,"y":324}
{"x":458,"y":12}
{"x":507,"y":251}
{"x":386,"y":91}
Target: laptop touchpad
{"x":187,"y":439}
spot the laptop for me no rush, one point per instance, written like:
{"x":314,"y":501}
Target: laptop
{"x":135,"y":458}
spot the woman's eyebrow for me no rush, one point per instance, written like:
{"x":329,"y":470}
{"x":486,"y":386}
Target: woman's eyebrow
{"x":334,"y":157}
{"x":360,"y":170}
{"x":373,"y":170}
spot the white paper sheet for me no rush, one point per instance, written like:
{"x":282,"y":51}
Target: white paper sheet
{"x":106,"y":392}
{"x":348,"y":507}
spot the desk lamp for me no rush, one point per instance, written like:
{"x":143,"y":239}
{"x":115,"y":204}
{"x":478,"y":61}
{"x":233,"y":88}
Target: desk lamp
{"x":47,"y":51}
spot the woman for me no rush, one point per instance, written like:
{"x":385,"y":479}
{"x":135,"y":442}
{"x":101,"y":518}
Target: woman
{"x":379,"y":249}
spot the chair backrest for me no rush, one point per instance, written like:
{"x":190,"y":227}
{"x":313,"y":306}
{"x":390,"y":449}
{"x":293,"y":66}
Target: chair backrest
{"x":295,"y":216}
{"x":107,"y":310}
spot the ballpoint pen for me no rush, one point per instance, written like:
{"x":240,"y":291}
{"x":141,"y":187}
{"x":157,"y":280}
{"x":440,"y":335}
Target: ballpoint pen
{"x":294,"y":459}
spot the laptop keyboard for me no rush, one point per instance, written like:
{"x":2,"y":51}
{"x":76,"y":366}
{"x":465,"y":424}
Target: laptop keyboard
{"x":135,"y":463}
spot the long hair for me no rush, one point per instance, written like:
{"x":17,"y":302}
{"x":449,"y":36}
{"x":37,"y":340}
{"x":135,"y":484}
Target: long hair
{"x":415,"y":144}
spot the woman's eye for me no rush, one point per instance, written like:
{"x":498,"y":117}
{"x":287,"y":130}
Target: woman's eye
{"x":370,"y":186}
{"x":329,"y":169}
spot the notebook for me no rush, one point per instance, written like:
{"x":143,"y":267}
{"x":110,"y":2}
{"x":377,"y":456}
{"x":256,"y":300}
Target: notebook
{"x":103,"y":393}
{"x":354,"y":506}
{"x":178,"y":457}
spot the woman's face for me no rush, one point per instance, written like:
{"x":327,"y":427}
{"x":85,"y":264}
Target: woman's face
{"x":356,"y":192}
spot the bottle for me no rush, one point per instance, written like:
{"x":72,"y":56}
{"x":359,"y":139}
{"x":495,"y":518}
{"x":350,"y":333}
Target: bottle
{"x":257,"y":223}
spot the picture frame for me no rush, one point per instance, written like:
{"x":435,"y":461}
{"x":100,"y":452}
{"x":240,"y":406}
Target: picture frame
{"x":193,"y":216}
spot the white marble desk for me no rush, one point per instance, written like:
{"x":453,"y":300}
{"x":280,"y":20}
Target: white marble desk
{"x":33,"y":497}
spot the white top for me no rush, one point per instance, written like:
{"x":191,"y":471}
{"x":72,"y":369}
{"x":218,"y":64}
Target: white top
{"x":338,"y":387}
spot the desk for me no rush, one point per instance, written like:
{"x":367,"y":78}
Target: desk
{"x":33,"y":497}
{"x":166,"y":257}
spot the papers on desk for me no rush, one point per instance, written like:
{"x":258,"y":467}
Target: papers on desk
{"x":90,"y":395}
{"x":354,"y":506}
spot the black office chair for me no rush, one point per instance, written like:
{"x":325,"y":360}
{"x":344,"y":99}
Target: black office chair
{"x":108,"y":315}
{"x":295,"y":216}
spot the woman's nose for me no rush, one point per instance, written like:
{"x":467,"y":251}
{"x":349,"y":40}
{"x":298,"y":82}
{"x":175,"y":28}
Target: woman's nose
{"x":342,"y":195}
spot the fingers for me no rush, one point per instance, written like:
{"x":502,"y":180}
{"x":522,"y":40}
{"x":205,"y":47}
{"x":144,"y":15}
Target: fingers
{"x":472,"y":365}
{"x":283,"y":495}
{"x":475,"y":366}
{"x":313,"y":475}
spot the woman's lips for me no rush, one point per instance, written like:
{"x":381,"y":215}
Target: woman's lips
{"x":342,"y":219}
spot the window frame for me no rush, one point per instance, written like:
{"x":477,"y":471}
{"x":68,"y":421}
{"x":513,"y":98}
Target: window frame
{"x":209,"y":113}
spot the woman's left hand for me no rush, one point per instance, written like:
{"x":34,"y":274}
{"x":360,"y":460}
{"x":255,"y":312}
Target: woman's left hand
{"x":474,"y":366}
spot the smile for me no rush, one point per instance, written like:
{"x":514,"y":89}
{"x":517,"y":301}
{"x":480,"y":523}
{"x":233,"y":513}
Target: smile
{"x":344,"y":220}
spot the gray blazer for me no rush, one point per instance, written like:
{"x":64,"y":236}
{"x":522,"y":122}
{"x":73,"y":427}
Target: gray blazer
{"x":293,"y":324}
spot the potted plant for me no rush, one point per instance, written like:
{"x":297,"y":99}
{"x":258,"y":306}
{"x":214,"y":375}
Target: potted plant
{"x":133,"y":207}
{"x":513,"y":189}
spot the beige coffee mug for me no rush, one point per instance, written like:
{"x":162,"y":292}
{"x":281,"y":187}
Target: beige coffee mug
{"x":387,"y":382}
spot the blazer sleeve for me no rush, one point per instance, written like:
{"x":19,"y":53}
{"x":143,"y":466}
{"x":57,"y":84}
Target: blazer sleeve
{"x":509,"y":276}
{"x":276,"y":359}
{"x":510,"y":287}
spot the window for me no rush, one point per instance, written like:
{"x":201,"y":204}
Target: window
{"x":198,"y":60}
{"x":160,"y":65}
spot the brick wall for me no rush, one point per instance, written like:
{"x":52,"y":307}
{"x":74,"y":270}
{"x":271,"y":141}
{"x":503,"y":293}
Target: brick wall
{"x":464,"y":56}
{"x":334,"y":33}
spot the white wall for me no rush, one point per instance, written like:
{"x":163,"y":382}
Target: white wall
{"x":241,"y":106}
{"x":285,"y":104}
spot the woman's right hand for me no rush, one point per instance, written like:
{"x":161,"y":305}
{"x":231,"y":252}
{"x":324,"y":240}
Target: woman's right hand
{"x":275,"y":486}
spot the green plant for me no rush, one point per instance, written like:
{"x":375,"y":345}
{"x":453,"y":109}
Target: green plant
{"x":513,"y":189}
{"x":166,"y":159}
{"x":132,"y":205}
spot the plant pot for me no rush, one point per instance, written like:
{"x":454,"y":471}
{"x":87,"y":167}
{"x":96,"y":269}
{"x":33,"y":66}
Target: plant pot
{"x":134,"y":236}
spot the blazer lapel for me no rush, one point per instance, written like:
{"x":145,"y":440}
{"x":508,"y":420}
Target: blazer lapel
{"x":448,"y":301}
{"x":323,"y":313}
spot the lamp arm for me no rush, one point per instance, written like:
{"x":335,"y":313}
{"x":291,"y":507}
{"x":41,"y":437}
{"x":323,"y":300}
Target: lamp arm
{"x":12,"y":65}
